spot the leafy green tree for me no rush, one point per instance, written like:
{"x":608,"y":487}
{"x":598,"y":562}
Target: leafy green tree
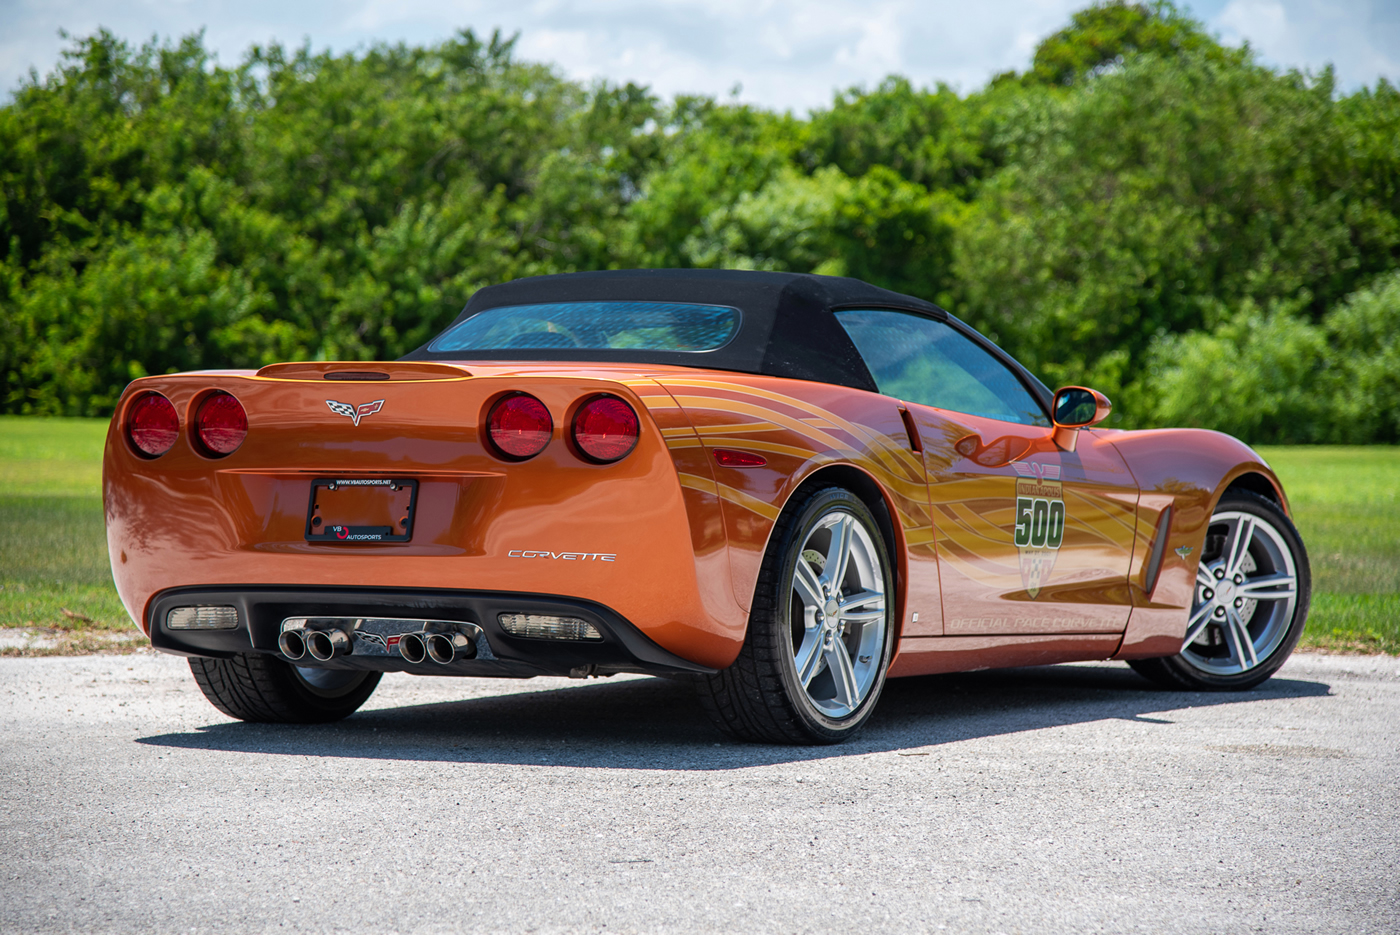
{"x":1143,"y":210}
{"x":1101,"y":37}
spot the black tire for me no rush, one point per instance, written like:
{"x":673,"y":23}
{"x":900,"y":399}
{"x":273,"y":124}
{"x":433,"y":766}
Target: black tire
{"x":1195,"y":668}
{"x":761,"y":696}
{"x":263,"y":688}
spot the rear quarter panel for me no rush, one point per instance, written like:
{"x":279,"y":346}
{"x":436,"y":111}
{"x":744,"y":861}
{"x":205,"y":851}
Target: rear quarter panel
{"x":801,"y":428}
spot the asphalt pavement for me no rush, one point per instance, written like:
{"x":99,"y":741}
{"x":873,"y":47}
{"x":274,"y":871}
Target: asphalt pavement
{"x":1060,"y":799}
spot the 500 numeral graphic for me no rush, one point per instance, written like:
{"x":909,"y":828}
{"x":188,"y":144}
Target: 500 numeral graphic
{"x":1040,"y":523}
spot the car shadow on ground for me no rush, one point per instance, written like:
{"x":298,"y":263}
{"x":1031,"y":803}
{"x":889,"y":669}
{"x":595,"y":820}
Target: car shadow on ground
{"x":658,"y":724}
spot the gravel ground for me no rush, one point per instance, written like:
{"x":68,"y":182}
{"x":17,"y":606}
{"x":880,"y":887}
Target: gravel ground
{"x":1061,"y":799}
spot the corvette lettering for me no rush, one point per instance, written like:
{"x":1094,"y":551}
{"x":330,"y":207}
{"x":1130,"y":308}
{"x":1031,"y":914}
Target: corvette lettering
{"x":565,"y":556}
{"x":355,"y":413}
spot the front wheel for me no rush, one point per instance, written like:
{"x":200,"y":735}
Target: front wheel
{"x":1253,"y":586}
{"x":257,"y":687}
{"x":820,"y":632}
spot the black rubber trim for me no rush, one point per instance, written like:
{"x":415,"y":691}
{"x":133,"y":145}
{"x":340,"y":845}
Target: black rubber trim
{"x":261,"y":610}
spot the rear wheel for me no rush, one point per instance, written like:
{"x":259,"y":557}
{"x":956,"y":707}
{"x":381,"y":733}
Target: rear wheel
{"x":1253,"y":586}
{"x":257,"y":687}
{"x":820,"y":632}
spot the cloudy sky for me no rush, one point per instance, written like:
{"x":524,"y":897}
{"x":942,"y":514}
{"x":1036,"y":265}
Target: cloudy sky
{"x":784,"y":53}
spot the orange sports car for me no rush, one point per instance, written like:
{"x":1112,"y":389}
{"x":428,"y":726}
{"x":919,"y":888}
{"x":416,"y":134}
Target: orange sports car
{"x":784,"y":487}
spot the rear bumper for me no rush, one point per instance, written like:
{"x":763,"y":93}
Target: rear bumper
{"x":261,"y":610}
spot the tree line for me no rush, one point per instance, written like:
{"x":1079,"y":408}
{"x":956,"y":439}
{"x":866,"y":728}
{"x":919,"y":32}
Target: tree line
{"x":1208,"y":240}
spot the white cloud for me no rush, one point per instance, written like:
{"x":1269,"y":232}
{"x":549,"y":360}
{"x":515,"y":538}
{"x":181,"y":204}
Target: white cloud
{"x":785,"y":53}
{"x":1360,"y":38}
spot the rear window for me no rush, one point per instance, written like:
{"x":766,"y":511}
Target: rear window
{"x":645,"y":326}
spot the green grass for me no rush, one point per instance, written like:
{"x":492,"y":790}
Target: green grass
{"x":54,"y":571}
{"x":53,"y":548}
{"x":41,"y":457}
{"x":1346,"y":503}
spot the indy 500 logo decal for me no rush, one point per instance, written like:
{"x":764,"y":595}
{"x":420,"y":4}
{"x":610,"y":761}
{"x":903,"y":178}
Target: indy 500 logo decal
{"x":1040,"y":522}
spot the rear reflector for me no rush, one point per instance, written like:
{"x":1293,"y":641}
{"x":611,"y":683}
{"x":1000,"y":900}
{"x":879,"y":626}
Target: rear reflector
{"x":605,"y":429}
{"x":202,"y":617}
{"x":221,"y":424}
{"x":152,"y":425}
{"x":545,"y":627}
{"x":519,"y":427}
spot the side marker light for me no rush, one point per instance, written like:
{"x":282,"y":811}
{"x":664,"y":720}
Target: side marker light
{"x":728,"y":458}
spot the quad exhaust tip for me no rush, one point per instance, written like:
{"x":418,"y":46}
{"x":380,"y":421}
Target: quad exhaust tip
{"x":291,"y":644}
{"x":443,"y":648}
{"x":324,"y":645}
{"x":412,"y":648}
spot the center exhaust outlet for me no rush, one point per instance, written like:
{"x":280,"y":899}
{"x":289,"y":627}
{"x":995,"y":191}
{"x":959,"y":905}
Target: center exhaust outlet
{"x":444,"y":647}
{"x":411,"y":647}
{"x":324,"y":645}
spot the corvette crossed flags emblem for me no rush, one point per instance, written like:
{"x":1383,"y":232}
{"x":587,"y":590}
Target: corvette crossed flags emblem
{"x":356,"y":413}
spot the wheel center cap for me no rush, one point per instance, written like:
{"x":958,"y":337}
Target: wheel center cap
{"x":1225,"y":591}
{"x":832,"y":611}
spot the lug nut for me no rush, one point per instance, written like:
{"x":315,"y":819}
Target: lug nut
{"x":1219,"y":573}
{"x":1239,"y":602}
{"x":1220,"y":611}
{"x":1207,"y":594}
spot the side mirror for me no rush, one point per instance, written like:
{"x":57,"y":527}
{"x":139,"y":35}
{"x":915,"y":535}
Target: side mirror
{"x":1074,"y":408}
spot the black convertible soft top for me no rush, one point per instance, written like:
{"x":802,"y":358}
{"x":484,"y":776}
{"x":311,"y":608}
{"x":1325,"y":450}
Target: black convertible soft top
{"x":787,"y":329}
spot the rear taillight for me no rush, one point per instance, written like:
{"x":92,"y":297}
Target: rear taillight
{"x":152,"y":425}
{"x":221,"y":424}
{"x":519,"y":427}
{"x":605,"y":429}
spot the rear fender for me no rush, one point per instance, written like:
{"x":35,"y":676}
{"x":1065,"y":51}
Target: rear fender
{"x":805,"y":432}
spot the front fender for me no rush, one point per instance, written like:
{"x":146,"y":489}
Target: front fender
{"x":1186,"y":471}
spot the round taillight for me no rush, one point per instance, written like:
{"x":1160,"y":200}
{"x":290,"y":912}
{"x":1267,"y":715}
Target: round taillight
{"x":152,"y":425}
{"x":605,"y":429}
{"x":519,"y":427}
{"x":221,"y":424}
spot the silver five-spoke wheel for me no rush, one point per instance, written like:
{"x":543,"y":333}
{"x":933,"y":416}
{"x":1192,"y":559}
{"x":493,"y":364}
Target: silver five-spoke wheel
{"x":1245,"y":595}
{"x":838,"y":614}
{"x":1249,"y":604}
{"x":820,"y":632}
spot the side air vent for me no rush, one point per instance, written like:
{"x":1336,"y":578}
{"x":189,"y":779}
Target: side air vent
{"x":1159,"y":545}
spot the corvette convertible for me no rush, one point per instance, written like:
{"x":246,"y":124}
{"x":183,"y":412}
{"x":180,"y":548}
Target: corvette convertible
{"x":785,"y":488}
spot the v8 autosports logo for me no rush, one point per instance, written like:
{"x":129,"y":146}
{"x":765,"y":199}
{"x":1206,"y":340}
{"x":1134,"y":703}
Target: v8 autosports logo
{"x":1040,"y":522}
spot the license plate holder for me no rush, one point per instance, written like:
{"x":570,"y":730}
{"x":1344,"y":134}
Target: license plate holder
{"x":361,"y":510}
